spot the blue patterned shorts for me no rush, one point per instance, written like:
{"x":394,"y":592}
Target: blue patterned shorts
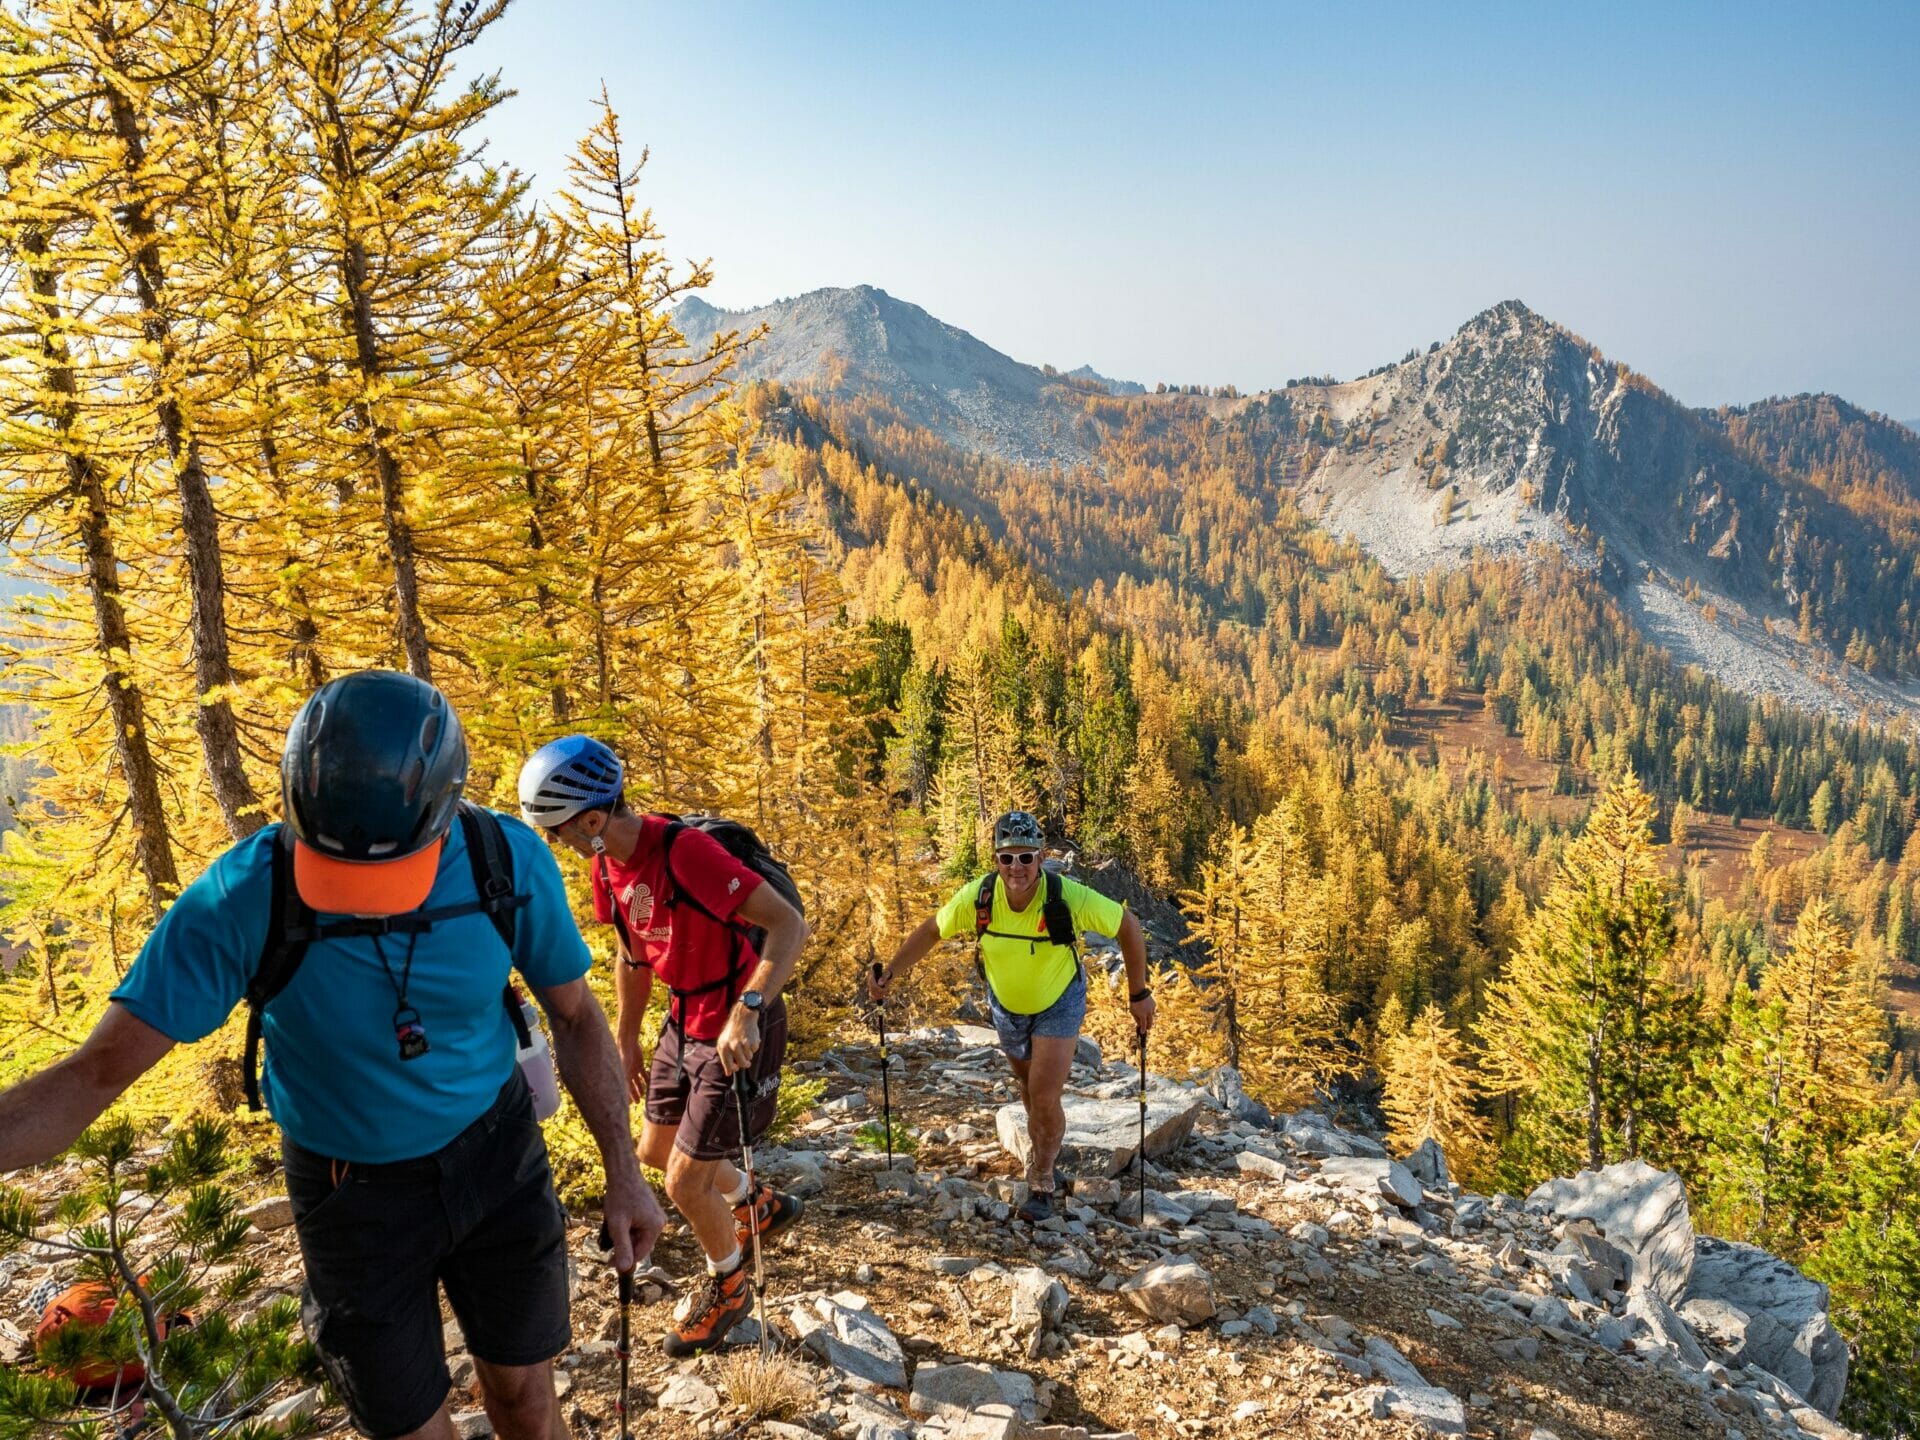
{"x":1061,"y":1020}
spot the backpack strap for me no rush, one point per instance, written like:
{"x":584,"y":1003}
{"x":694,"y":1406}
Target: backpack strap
{"x":983,"y":905}
{"x":603,"y":881}
{"x":289,"y":932}
{"x":679,"y":893}
{"x":1058,"y":914}
{"x":492,"y":864}
{"x":736,"y":967}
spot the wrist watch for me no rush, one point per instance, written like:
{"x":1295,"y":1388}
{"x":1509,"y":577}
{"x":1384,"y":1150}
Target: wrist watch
{"x":753,"y":1000}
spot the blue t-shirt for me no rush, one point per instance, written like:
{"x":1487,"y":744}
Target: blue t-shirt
{"x":333,"y":1077}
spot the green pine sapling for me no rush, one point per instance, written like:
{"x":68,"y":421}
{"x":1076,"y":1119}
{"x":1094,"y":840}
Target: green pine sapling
{"x":184,"y":1308}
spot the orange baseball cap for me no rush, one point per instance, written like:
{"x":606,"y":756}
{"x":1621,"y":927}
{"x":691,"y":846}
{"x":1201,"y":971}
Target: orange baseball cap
{"x":365,"y":887}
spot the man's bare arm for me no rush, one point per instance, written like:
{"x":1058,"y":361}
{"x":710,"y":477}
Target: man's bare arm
{"x":1133,"y":951}
{"x":786,"y":935}
{"x":45,"y":1113}
{"x":912,"y":951}
{"x":589,"y":1063}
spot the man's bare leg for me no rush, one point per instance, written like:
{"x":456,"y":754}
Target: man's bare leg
{"x":519,"y":1400}
{"x":1046,"y":1083}
{"x":657,"y":1152}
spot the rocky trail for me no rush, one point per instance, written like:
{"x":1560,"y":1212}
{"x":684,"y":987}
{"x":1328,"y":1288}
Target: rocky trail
{"x":1288,"y":1279}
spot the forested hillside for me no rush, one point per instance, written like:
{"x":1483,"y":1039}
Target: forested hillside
{"x":1174,"y":666}
{"x":296,"y":384}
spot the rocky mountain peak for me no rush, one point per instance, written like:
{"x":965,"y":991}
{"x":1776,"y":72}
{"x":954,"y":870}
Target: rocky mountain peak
{"x":861,"y":340}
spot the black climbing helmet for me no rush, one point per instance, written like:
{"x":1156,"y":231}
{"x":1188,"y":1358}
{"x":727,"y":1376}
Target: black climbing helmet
{"x":374,"y":766}
{"x":1018,"y":829}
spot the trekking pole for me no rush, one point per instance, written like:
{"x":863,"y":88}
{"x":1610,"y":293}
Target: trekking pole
{"x":743,"y":1095}
{"x":626,"y":1353}
{"x":625,"y":1350}
{"x":886,"y":1065}
{"x":1143,"y":1128}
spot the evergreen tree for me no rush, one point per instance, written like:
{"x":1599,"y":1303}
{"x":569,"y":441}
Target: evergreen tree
{"x":1790,"y":1086}
{"x":400,"y":217}
{"x":1586,"y":1029}
{"x":1430,"y":1093}
{"x":1871,"y":1265}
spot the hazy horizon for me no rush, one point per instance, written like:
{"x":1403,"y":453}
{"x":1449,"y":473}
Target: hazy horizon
{"x":1246,"y":195}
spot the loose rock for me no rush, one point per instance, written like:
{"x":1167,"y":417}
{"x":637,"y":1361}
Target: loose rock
{"x":1179,"y":1292}
{"x":1641,"y":1210}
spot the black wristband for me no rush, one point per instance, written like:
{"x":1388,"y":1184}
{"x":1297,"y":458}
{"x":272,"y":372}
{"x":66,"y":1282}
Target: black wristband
{"x":1137,"y":996}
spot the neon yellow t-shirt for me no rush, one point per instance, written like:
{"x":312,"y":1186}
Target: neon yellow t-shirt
{"x":1029,"y":975}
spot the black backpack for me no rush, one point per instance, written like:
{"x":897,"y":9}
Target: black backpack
{"x":294,"y":928}
{"x":739,"y":841}
{"x":1054,"y":910}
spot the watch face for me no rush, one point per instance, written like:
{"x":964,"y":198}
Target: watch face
{"x":753,"y":999}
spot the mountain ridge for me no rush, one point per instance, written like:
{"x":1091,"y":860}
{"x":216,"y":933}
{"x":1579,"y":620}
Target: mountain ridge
{"x":1733,"y":537}
{"x":861,"y":340}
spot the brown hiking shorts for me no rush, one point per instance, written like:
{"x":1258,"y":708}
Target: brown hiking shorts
{"x":687,"y":1088}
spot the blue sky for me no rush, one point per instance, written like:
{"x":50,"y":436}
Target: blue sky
{"x":1725,"y":197}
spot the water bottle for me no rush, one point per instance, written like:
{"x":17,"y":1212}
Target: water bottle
{"x":536,"y":1064}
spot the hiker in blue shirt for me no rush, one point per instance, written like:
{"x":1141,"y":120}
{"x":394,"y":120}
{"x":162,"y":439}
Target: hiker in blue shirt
{"x":372,"y":935}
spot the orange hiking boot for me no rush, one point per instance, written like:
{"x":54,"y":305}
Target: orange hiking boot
{"x":773,"y":1215}
{"x":726,"y":1301}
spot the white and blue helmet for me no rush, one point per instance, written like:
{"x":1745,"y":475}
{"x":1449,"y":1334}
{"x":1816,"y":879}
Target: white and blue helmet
{"x":566,"y":776}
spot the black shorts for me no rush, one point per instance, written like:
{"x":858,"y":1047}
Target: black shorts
{"x":697,"y":1096}
{"x":479,"y":1217}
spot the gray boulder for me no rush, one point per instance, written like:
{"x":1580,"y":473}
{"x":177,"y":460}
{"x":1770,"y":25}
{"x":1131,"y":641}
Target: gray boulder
{"x":1314,"y":1134}
{"x":957,"y":1390}
{"x":689,"y":1393}
{"x":1749,"y":1338}
{"x":991,"y":1422}
{"x":1390,"y":1365}
{"x":800,"y":1172}
{"x":1258,"y":1163}
{"x":857,"y":1342}
{"x":1800,"y":1346}
{"x":1363,"y":1175}
{"x":871,"y":1418}
{"x":1601,"y":1264}
{"x":1667,"y":1329}
{"x":1641,"y":1211}
{"x":1039,"y":1303}
{"x":1436,"y":1411}
{"x":273,"y":1213}
{"x":1102,"y":1135}
{"x":1428,"y":1163}
{"x":1223,"y":1087}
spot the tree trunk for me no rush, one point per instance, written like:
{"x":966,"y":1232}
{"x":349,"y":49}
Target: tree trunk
{"x":303,"y":655}
{"x":542,"y":592}
{"x":113,"y":640}
{"x":206,"y":584}
{"x":409,"y":625}
{"x":1596,"y":1146}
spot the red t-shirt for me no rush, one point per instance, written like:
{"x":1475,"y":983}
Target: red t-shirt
{"x":683,"y":947}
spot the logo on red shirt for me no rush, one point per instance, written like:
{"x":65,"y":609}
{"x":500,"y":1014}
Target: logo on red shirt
{"x":639,"y":902}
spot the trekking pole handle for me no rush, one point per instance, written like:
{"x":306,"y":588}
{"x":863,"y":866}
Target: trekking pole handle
{"x":626,"y":1287}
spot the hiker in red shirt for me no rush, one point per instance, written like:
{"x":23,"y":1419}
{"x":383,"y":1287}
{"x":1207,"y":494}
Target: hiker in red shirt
{"x":725,"y":941}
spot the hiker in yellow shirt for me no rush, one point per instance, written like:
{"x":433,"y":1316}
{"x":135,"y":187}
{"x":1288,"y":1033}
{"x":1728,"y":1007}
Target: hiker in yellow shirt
{"x":1028,"y":926}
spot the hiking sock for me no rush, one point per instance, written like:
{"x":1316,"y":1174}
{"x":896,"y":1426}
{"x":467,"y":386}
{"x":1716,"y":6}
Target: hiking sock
{"x":727,"y":1266}
{"x":737,"y":1197}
